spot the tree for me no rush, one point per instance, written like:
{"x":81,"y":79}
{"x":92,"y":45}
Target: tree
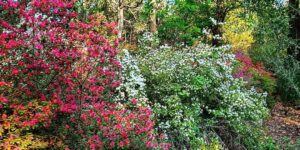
{"x":220,"y":9}
{"x":238,"y":30}
{"x":185,"y":20}
{"x":155,"y":6}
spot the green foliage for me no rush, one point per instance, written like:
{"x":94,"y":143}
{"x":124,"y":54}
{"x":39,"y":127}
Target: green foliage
{"x":265,"y":83}
{"x":288,"y":72}
{"x":184,"y":22}
{"x":272,"y":41}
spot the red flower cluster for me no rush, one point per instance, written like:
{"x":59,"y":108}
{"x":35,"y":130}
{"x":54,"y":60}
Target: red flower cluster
{"x":55,"y":63}
{"x":247,"y":67}
{"x":119,"y":127}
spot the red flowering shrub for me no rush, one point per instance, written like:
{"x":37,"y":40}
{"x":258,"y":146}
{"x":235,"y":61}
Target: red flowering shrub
{"x":119,"y":127}
{"x":54,"y":66}
{"x":256,"y":74}
{"x":247,"y":66}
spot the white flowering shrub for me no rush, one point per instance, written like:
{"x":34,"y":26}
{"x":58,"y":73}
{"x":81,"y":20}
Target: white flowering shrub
{"x":147,"y":42}
{"x":193,"y":93}
{"x":133,"y":83}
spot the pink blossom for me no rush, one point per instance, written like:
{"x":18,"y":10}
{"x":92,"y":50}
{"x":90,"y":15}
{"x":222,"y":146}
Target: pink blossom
{"x":15,"y":71}
{"x":38,"y":46}
{"x":67,"y":126}
{"x":3,"y":99}
{"x":134,"y":101}
{"x":4,"y":116}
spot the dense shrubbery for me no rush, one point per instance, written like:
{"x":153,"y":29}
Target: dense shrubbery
{"x":194,"y":94}
{"x":285,"y":68}
{"x":66,"y":83}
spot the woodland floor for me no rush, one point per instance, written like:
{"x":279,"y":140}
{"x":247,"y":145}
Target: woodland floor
{"x":284,"y":124}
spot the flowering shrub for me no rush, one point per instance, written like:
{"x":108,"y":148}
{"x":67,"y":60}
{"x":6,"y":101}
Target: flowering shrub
{"x":194,"y":93}
{"x":238,"y":31}
{"x":133,"y":83}
{"x":58,"y":69}
{"x":115,"y":127}
{"x":256,"y":74}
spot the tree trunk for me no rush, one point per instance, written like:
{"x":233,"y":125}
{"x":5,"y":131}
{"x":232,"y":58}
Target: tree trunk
{"x":216,"y":31}
{"x":294,"y":10}
{"x":153,"y":23}
{"x":120,"y":18}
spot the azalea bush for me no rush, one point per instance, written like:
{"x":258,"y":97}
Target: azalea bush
{"x":196,"y":98}
{"x":256,"y":75}
{"x":58,"y":77}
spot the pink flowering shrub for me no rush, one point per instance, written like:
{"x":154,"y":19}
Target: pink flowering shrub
{"x":60,"y":71}
{"x":247,"y":66}
{"x":116,"y":127}
{"x":256,"y":74}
